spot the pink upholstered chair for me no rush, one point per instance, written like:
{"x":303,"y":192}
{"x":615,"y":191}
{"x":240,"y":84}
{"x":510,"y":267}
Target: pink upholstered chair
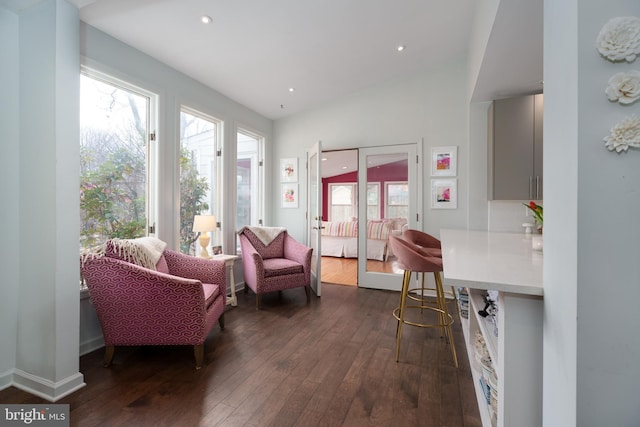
{"x":176,"y":305}
{"x":275,"y":265}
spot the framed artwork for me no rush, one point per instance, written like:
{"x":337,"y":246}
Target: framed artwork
{"x":289,"y":170}
{"x":216,"y":250}
{"x":444,"y":161}
{"x":289,"y":195}
{"x":444,"y":193}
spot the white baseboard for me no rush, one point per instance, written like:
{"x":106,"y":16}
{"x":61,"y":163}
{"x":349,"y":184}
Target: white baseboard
{"x":6,"y":379}
{"x":91,"y":345}
{"x":46,"y":389}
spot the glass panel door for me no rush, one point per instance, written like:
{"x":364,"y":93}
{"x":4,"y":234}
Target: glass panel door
{"x":388,"y":194}
{"x":314,"y":214}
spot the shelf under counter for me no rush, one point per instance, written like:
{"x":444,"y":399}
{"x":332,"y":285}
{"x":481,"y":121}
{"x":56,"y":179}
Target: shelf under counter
{"x":481,"y":260}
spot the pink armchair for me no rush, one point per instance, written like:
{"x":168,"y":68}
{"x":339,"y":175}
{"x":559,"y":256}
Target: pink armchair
{"x":176,"y":305}
{"x":282,"y":263}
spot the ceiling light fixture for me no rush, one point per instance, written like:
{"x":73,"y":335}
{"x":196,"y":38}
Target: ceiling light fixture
{"x":206,"y":19}
{"x":291,"y":89}
{"x":400,"y":48}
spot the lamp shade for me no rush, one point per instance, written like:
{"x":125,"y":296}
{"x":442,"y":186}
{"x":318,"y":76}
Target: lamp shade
{"x":204,"y":223}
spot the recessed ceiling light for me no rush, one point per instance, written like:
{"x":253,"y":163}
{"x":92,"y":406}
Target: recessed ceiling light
{"x":344,"y":167}
{"x":206,"y":19}
{"x":400,"y":48}
{"x":291,"y":89}
{"x":324,"y":159}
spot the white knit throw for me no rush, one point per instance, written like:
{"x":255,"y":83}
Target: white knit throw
{"x":143,"y":251}
{"x":265,"y":234}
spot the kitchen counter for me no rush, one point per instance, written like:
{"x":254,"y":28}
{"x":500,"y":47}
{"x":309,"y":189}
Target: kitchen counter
{"x":487,"y":260}
{"x":479,"y":261}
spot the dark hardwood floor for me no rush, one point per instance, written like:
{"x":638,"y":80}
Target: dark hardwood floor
{"x":330,"y":363}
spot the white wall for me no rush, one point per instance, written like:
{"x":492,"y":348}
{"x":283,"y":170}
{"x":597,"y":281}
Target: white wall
{"x":432,"y":106}
{"x":9,"y":182}
{"x":592,"y":274}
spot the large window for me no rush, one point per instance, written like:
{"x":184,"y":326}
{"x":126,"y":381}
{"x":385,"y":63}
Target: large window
{"x":342,"y":202}
{"x":115,"y":123}
{"x":249,"y":179}
{"x":200,"y":175}
{"x":397,"y":204}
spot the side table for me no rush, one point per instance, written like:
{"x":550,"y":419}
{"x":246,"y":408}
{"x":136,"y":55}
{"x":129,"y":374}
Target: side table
{"x":229,"y":261}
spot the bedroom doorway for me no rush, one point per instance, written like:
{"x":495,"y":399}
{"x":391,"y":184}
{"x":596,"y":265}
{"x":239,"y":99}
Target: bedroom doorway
{"x":377,"y":201}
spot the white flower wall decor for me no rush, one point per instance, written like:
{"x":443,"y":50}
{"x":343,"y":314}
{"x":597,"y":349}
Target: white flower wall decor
{"x":624,"y":135}
{"x":624,"y":87}
{"x":619,"y":39}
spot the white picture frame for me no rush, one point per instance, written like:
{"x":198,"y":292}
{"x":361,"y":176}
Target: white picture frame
{"x":289,"y":170}
{"x":289,"y":195}
{"x":444,"y":193}
{"x":444,"y":161}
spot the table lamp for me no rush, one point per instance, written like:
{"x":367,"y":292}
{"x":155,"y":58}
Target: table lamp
{"x":203,"y":224}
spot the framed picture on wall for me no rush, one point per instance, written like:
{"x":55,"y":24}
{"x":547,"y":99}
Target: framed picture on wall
{"x":289,"y":170}
{"x":289,"y":195}
{"x":444,"y":193}
{"x":444,"y":161}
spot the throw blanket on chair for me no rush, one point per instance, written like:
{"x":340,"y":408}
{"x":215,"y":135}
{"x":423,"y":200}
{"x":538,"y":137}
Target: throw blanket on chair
{"x":265,"y":234}
{"x":143,"y":251}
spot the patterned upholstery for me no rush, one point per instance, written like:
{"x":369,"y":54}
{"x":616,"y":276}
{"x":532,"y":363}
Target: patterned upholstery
{"x":140,"y":306}
{"x":265,"y":271}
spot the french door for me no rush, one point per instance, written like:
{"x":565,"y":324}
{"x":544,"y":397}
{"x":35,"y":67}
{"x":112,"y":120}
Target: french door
{"x":314,"y":213}
{"x":389,"y":192}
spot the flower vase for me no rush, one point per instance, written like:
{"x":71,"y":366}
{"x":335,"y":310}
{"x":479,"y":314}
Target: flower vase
{"x":536,"y":241}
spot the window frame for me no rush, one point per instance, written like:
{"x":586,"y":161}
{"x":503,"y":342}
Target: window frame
{"x":387,"y":193}
{"x":151,"y":202}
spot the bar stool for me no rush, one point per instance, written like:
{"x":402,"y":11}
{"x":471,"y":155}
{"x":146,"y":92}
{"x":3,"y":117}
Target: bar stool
{"x":432,"y":247}
{"x":412,"y":258}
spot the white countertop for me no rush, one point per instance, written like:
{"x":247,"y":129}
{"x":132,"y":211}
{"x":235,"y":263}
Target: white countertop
{"x":487,"y":260}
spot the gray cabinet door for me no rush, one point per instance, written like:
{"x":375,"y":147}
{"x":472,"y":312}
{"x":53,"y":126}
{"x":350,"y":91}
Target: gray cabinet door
{"x":537,"y":146}
{"x":514,"y":176}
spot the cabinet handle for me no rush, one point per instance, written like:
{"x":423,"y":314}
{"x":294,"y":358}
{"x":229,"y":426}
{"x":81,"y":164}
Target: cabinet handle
{"x":537,"y":188}
{"x":530,"y":187}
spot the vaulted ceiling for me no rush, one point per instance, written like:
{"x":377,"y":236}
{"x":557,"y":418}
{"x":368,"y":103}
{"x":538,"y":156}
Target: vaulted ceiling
{"x":255,"y":51}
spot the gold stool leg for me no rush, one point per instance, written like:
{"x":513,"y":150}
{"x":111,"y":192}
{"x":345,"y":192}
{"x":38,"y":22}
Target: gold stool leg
{"x":403,"y":302}
{"x":448,"y":320}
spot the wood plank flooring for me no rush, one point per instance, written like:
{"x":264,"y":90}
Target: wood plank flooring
{"x":330,"y":363}
{"x":344,"y":271}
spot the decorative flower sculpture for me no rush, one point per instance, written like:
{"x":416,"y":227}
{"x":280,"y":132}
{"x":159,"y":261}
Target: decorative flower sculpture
{"x":619,"y":39}
{"x":624,"y":87}
{"x":624,"y":135}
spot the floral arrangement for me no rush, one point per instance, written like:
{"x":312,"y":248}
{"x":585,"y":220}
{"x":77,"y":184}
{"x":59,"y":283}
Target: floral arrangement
{"x":624,"y":87}
{"x":536,"y":209}
{"x":624,"y":135}
{"x":619,"y":39}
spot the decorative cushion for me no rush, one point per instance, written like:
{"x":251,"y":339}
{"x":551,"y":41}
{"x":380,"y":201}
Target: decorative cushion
{"x":340,"y":228}
{"x":377,"y":230}
{"x":280,"y":267}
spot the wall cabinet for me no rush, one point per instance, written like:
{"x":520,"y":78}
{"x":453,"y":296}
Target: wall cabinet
{"x":517,"y":148}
